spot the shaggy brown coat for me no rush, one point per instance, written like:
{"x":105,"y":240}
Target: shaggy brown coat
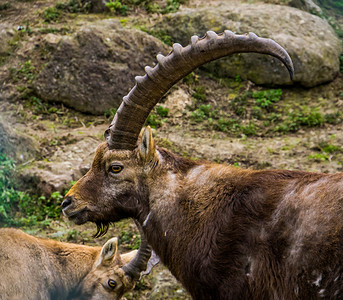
{"x":224,"y":232}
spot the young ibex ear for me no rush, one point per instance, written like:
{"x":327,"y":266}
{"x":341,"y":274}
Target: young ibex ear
{"x":147,"y":148}
{"x":127,"y":257}
{"x":108,"y":252}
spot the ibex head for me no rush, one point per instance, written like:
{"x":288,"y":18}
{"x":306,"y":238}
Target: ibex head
{"x":124,"y":172}
{"x":113,"y":274}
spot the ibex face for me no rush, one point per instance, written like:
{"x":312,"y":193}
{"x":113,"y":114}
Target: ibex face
{"x":113,"y":188}
{"x":107,"y":280}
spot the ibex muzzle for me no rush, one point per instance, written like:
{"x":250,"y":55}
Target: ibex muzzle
{"x":224,"y":232}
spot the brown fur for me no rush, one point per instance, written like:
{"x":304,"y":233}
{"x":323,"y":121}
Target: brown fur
{"x":224,"y":232}
{"x":33,"y":268}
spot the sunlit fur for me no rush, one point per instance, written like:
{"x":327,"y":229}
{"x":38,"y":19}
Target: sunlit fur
{"x":224,"y":232}
{"x":40,"y":269}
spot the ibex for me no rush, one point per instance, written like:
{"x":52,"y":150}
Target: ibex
{"x":40,"y":269}
{"x":224,"y":232}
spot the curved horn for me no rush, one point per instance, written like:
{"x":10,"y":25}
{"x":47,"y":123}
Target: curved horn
{"x":149,"y":89}
{"x":139,"y":263}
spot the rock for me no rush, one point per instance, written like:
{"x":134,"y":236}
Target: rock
{"x":51,"y":41}
{"x":92,"y":70}
{"x":176,"y":102}
{"x":96,"y":6}
{"x":67,"y":163}
{"x":306,"y":5}
{"x":16,"y":144}
{"x":166,"y":286}
{"x":310,"y":41}
{"x":7,"y":33}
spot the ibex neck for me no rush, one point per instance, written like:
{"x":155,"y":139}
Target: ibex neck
{"x":71,"y":263}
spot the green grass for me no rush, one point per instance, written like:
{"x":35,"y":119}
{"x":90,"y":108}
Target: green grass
{"x":266,"y":98}
{"x":157,"y":33}
{"x":155,"y":120}
{"x":257,"y":112}
{"x":51,"y":14}
{"x":204,"y":112}
{"x":19,"y":208}
{"x":5,"y":6}
{"x":117,"y":7}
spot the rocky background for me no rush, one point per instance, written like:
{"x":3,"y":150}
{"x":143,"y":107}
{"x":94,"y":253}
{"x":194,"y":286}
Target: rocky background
{"x":65,"y":66}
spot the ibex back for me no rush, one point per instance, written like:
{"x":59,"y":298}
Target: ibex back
{"x":224,"y":232}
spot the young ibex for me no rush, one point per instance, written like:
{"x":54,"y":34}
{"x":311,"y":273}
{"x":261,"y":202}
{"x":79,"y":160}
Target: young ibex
{"x":34,"y":268}
{"x":224,"y":232}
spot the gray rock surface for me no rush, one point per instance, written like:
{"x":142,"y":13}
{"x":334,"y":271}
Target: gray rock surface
{"x":92,"y":70}
{"x":310,"y":41}
{"x":7,"y":33}
{"x":15,"y":143}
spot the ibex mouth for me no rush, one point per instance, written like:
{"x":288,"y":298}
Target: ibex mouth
{"x":77,"y":216}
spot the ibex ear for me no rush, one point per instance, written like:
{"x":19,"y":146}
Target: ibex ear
{"x":147,"y":147}
{"x":108,"y":252}
{"x":127,"y":257}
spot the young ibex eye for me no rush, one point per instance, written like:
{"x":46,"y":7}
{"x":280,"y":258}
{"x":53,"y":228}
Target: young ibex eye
{"x":111,"y":283}
{"x":116,"y":168}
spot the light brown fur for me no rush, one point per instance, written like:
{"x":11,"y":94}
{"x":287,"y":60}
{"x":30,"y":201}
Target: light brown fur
{"x":34,"y":268}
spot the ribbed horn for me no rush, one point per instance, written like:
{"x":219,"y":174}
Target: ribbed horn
{"x":139,"y":263}
{"x":150,"y":88}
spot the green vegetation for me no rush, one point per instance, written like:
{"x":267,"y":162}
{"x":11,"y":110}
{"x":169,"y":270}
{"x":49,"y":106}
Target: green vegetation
{"x":74,"y":6}
{"x":110,"y":113}
{"x":118,"y":7}
{"x":337,"y":5}
{"x":26,"y":72}
{"x":172,"y":6}
{"x":303,"y":117}
{"x":203,"y":112}
{"x":253,"y":113}
{"x":51,"y":14}
{"x":132,"y":240}
{"x":18,"y":208}
{"x":158,"y":33}
{"x":199,"y":93}
{"x":155,"y":120}
{"x":327,"y":152}
{"x":265,"y":99}
{"x":5,"y":6}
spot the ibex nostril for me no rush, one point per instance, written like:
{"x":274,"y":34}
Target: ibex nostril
{"x":66,"y":202}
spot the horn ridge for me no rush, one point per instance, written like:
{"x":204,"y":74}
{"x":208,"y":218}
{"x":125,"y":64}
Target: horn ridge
{"x":151,"y":87}
{"x":139,"y":263}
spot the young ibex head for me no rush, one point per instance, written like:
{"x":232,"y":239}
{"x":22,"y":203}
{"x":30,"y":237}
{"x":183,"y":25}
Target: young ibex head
{"x":107,"y":279}
{"x":113,"y":274}
{"x":36,"y":268}
{"x":119,"y":182}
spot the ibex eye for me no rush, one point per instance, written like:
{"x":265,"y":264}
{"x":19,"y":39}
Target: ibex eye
{"x":116,"y":168}
{"x":111,"y":283}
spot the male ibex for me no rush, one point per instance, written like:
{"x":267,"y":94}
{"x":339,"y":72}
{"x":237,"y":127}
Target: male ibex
{"x":33,"y":268}
{"x":224,"y":232}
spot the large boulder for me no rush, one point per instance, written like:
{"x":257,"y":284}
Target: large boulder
{"x":310,"y":41}
{"x":15,"y":143}
{"x":93,"y":69}
{"x":7,"y":33}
